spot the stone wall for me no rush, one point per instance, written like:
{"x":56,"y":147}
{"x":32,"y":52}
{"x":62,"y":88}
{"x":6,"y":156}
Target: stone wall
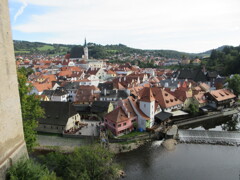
{"x":12,"y":145}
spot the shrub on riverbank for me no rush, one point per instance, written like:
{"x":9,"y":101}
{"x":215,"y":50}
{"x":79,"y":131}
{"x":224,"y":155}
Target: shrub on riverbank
{"x":29,"y":169}
{"x":86,"y":162}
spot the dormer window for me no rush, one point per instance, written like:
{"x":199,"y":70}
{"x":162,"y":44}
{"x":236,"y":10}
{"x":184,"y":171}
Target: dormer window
{"x":166,"y":94}
{"x":221,"y":94}
{"x":167,"y":101}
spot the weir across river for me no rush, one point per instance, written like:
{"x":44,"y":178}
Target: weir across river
{"x":211,"y":137}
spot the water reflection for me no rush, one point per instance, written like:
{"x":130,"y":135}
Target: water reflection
{"x":217,"y":124}
{"x":232,"y":124}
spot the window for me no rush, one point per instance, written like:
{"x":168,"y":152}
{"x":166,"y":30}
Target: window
{"x":119,"y":125}
{"x":124,"y":124}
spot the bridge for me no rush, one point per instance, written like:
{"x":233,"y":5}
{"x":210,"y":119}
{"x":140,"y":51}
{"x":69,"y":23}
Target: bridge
{"x":211,"y":137}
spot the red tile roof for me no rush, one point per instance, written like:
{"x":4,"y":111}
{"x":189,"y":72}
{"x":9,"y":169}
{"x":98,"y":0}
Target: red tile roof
{"x":117,"y":115}
{"x":222,"y":94}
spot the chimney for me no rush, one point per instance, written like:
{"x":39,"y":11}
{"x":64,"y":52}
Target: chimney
{"x":128,"y":114}
{"x":92,"y":92}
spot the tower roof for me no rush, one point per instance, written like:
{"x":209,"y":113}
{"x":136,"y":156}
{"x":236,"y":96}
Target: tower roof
{"x":147,"y":95}
{"x":85,"y":43}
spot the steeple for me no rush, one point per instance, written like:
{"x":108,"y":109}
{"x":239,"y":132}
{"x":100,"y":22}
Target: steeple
{"x":85,"y":49}
{"x":85,"y":43}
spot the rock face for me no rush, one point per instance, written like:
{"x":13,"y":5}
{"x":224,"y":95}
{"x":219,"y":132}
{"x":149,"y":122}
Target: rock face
{"x":12,"y":144}
{"x":170,"y":144}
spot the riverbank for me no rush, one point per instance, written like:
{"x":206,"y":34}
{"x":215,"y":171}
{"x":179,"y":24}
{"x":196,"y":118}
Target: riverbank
{"x":125,"y":146}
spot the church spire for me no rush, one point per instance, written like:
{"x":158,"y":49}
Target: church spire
{"x":85,"y":50}
{"x":85,"y":43}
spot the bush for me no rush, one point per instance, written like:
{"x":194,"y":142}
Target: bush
{"x":27,"y":169}
{"x":86,"y":163}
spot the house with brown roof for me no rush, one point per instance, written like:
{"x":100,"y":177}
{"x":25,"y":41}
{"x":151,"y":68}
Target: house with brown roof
{"x":119,"y":122}
{"x":148,"y":103}
{"x":38,"y":88}
{"x":185,"y":95}
{"x":164,"y":99}
{"x":220,"y":98}
{"x":87,"y":94}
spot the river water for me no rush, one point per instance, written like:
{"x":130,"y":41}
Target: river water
{"x":187,"y":162}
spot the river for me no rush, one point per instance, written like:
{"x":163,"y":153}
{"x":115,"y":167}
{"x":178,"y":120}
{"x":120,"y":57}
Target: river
{"x":187,"y":162}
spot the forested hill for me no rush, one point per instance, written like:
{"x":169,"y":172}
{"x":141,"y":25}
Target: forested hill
{"x":95,"y":50}
{"x":225,"y":61}
{"x":25,"y":47}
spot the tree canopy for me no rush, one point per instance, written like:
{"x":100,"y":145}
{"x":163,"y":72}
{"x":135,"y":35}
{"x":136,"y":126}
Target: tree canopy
{"x":31,"y":110}
{"x":86,"y":163}
{"x":234,"y":83}
{"x":29,"y":169}
{"x":226,"y":62}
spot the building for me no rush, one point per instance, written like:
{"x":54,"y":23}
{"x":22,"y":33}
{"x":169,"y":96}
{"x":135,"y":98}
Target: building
{"x":59,"y":117}
{"x":12,"y":144}
{"x":221,"y":98}
{"x":118,"y":122}
{"x":60,"y":94}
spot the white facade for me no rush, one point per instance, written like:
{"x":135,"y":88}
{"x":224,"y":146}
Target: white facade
{"x":148,"y":108}
{"x":92,"y":80}
{"x":72,"y":122}
{"x":63,"y":98}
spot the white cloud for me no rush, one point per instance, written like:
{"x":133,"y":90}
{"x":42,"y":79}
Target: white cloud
{"x":171,"y":24}
{"x":21,"y":9}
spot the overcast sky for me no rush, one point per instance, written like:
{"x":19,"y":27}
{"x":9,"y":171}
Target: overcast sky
{"x":183,"y":25}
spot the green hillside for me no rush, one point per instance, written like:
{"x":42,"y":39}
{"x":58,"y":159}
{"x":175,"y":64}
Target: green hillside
{"x":25,"y":47}
{"x":97,"y":51}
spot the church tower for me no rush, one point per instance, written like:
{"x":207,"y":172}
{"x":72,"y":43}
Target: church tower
{"x":12,"y":144}
{"x":85,"y":50}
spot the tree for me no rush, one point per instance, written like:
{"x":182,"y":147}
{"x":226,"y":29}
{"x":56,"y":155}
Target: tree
{"x":31,"y":110}
{"x":76,"y":52}
{"x":86,"y":163}
{"x":28,"y":169}
{"x":234,"y":83}
{"x":193,"y":108}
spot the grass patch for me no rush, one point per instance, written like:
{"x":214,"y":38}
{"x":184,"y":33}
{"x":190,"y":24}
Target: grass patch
{"x":126,"y":142}
{"x":22,"y":52}
{"x":132,"y":134}
{"x":45,"y":48}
